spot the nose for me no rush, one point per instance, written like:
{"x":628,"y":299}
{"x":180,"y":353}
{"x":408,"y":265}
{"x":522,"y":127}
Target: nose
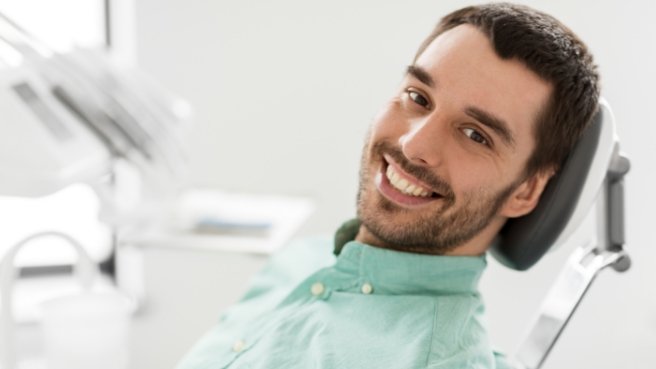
{"x":424,"y":142}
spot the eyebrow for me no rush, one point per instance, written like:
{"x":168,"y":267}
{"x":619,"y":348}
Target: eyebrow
{"x":496,"y":124}
{"x":421,"y":74}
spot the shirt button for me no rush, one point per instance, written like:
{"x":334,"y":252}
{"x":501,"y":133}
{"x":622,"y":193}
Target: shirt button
{"x":238,"y":346}
{"x":367,"y":288}
{"x":317,"y":289}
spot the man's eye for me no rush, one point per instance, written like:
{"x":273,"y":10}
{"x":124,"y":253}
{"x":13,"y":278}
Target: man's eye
{"x":418,"y":98}
{"x":475,"y":136}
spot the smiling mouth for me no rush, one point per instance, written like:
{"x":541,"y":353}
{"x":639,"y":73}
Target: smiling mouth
{"x":400,"y":187}
{"x":401,"y":183}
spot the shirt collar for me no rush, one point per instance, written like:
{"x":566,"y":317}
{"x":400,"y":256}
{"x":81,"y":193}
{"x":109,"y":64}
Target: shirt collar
{"x":396,"y":272}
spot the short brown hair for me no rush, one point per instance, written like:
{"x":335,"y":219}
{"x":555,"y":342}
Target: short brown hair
{"x":553,"y":52}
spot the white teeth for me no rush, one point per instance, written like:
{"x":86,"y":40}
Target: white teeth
{"x":404,"y":186}
{"x":410,"y":190}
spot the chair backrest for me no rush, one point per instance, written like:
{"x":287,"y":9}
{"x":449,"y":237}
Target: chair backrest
{"x":566,"y":200}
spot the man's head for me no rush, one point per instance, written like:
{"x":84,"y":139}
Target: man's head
{"x":496,"y":97}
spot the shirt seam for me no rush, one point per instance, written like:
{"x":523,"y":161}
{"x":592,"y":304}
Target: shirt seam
{"x":360,"y":259}
{"x":432,"y":336}
{"x":472,"y":303}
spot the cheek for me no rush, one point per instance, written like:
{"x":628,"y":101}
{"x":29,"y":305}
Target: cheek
{"x":467,"y":177}
{"x":389,"y":122}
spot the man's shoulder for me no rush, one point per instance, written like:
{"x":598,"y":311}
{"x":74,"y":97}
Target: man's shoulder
{"x":315,"y":251}
{"x":291,"y":265}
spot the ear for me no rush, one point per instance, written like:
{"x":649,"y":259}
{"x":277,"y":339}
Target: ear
{"x":527,"y":195}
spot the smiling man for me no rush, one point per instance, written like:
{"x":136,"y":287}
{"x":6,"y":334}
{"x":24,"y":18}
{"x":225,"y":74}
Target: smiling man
{"x":487,"y":111}
{"x":445,"y":163}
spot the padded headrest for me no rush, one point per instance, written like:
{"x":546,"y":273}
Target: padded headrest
{"x":565,"y":201}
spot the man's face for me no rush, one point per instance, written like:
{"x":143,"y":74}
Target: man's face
{"x":443,"y":165}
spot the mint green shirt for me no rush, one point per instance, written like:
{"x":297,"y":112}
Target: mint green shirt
{"x":368,"y":308}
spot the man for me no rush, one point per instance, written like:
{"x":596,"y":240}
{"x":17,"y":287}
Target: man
{"x":492,"y":103}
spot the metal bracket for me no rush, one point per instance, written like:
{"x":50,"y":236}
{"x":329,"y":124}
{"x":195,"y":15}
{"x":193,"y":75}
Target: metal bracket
{"x":581,"y":269}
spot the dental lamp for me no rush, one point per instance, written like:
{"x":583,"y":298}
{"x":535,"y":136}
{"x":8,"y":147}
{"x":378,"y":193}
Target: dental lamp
{"x":78,"y":118}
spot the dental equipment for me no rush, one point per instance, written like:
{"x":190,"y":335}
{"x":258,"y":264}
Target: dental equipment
{"x":592,"y":175}
{"x":71,"y":117}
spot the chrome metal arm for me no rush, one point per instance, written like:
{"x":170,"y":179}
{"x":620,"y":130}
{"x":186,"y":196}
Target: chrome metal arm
{"x":581,"y":269}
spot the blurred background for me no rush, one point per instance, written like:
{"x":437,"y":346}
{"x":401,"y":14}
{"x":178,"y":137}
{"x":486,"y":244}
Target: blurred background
{"x":283,"y":93}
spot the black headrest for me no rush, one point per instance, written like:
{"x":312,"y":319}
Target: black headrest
{"x":523,"y":241}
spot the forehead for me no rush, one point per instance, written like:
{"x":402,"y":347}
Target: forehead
{"x":468,"y":72}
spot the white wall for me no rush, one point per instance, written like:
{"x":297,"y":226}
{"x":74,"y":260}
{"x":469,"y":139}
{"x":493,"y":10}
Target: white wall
{"x":284,"y":92}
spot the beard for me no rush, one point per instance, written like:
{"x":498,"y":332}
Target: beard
{"x":436,"y":230}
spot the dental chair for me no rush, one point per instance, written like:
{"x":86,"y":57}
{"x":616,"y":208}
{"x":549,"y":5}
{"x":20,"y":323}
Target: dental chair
{"x":591,"y":176}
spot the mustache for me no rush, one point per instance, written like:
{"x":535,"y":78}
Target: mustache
{"x":438,"y":184}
